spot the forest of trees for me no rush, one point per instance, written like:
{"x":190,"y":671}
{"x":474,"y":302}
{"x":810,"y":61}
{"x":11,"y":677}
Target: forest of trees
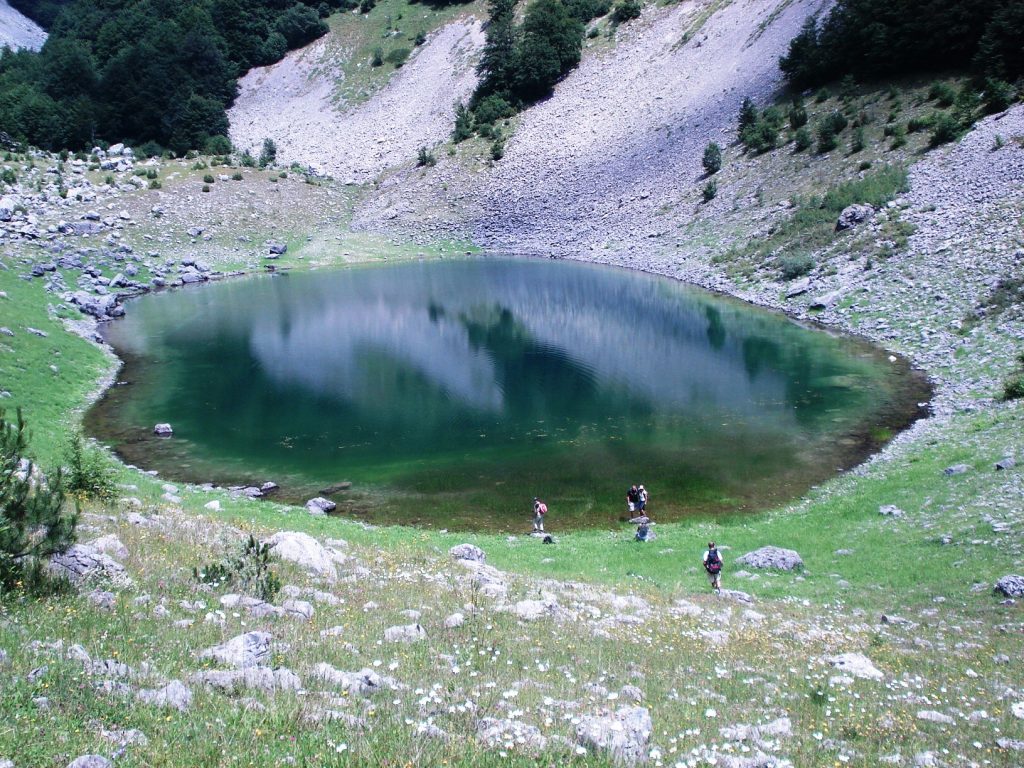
{"x":158,"y":73}
{"x":881,"y":39}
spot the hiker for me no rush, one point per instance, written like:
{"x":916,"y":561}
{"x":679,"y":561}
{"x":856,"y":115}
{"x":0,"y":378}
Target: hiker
{"x":632,"y":499}
{"x":539,"y":510}
{"x":641,"y":499}
{"x":713,"y":565}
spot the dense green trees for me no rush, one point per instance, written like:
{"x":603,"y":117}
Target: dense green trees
{"x":144,"y":70}
{"x":873,"y":39}
{"x":521,"y":63}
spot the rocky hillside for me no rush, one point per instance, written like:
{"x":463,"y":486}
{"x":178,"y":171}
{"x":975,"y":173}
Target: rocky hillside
{"x":19,"y":31}
{"x":298,"y":103}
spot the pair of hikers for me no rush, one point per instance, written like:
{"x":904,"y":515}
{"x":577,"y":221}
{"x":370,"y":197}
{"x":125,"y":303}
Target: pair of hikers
{"x":636,"y":499}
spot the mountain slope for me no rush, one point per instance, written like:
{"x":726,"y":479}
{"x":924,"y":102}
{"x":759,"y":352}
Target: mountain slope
{"x":19,"y":31}
{"x":293,"y":102}
{"x":621,"y":137}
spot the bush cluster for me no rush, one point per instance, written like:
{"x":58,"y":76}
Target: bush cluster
{"x":249,"y":571}
{"x":759,"y":130}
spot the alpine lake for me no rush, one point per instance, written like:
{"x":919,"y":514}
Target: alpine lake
{"x":449,"y":393}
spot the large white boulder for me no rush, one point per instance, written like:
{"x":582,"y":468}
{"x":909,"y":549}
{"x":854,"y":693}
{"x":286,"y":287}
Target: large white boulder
{"x":302,"y":549}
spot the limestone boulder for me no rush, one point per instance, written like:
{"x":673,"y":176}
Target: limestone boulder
{"x":1011,"y":585}
{"x":772,"y":557}
{"x":623,"y":735}
{"x":83,"y":563}
{"x":303,"y":550}
{"x":251,"y":649}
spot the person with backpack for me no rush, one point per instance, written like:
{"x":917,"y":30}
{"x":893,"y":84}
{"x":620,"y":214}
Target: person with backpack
{"x":641,"y":493}
{"x":713,"y":565}
{"x":540,"y":509}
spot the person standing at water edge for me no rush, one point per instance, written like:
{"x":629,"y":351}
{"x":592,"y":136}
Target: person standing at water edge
{"x":713,"y":565}
{"x":539,"y":510}
{"x":641,"y":493}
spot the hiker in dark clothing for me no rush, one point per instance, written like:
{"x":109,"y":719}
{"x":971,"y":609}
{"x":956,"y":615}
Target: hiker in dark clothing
{"x":632,"y":499}
{"x":713,"y":565}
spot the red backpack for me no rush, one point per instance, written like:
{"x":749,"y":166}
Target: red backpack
{"x":542,"y":509}
{"x":714,"y":563}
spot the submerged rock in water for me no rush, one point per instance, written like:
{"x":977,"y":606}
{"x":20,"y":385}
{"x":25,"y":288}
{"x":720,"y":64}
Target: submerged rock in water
{"x":320,"y":506}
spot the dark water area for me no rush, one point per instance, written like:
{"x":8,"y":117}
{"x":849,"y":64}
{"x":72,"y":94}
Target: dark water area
{"x":450,"y":393}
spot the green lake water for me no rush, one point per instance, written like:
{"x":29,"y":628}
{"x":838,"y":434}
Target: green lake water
{"x":450,"y":393}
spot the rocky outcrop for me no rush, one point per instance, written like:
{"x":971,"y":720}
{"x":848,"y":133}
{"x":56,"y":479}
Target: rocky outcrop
{"x":499,"y":733}
{"x":249,"y":679}
{"x":622,"y":735}
{"x":467,"y":552}
{"x":365,"y":682}
{"x":772,"y":557}
{"x":1011,"y":585}
{"x":320,"y":506}
{"x":83,"y":563}
{"x":406,"y":633}
{"x":856,"y":664}
{"x":174,"y":695}
{"x":303,"y":550}
{"x":852,"y":215}
{"x":251,"y":649}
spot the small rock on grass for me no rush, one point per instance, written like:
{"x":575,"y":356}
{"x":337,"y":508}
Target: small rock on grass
{"x":509,"y":734}
{"x":856,"y":664}
{"x":90,"y":761}
{"x":106,"y":601}
{"x":251,"y":649}
{"x":407,"y":633}
{"x":931,"y":716}
{"x":467,"y":552}
{"x":622,"y":735}
{"x":956,"y":469}
{"x":174,"y":695}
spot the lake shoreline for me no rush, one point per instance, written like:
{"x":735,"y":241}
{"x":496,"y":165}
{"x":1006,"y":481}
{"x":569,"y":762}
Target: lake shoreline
{"x":366,"y":504}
